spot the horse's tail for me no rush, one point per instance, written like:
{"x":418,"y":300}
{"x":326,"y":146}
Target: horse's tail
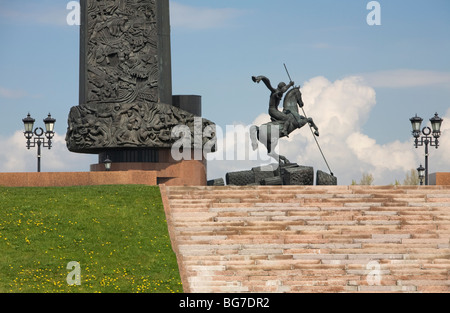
{"x":254,"y":134}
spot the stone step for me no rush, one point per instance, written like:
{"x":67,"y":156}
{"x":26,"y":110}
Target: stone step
{"x":311,"y":239}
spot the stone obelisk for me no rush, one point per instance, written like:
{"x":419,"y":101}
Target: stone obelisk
{"x":126,"y":43}
{"x":125,"y":109}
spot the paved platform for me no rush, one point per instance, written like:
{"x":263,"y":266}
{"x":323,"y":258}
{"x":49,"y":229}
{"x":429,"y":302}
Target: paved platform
{"x":68,"y":179}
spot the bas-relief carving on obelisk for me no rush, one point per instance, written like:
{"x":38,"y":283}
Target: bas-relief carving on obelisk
{"x":125,"y":79}
{"x":121,"y":57}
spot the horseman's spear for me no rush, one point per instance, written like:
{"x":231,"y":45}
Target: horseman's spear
{"x":310,"y":127}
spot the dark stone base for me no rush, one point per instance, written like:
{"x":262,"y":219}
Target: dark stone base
{"x":264,"y":174}
{"x":216,"y":182}
{"x":298,"y":176}
{"x":243,"y":178}
{"x":130,"y":156}
{"x":324,"y":179}
{"x":273,"y":181}
{"x":273,"y":175}
{"x":188,"y":103}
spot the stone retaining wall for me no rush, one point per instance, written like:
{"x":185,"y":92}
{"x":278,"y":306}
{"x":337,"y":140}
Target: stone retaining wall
{"x":60,"y":179}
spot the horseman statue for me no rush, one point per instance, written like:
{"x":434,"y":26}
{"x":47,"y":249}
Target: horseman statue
{"x":283,"y":122}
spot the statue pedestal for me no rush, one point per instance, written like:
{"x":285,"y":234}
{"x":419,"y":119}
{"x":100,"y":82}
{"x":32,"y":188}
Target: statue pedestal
{"x":168,"y":171}
{"x":269,"y":175}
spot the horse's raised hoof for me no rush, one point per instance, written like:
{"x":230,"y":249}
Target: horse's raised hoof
{"x":317,"y":133}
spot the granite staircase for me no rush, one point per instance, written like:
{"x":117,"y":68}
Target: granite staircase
{"x":310,"y":239}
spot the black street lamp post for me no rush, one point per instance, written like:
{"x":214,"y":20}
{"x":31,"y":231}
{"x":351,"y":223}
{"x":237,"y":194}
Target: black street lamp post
{"x":38,"y":137}
{"x":107,"y":163}
{"x":426,"y":140}
{"x":421,"y":171}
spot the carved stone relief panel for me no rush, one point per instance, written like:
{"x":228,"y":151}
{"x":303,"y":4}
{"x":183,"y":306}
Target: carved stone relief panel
{"x":96,"y":127}
{"x":121,"y":51}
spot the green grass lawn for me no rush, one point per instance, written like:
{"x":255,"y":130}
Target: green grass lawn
{"x":118,"y":235}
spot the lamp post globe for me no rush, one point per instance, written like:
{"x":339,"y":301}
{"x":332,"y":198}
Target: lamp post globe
{"x":49,"y":123}
{"x":35,"y":137}
{"x":107,"y":163}
{"x":436,"y":123}
{"x":423,"y":138}
{"x":28,"y":123}
{"x":421,"y":171}
{"x":416,"y":123}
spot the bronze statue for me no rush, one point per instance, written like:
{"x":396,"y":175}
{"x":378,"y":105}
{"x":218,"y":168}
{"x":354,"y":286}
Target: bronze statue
{"x":284,"y":122}
{"x":275,"y":98}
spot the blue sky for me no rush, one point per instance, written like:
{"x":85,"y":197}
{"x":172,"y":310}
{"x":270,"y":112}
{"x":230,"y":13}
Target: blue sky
{"x":218,"y":45}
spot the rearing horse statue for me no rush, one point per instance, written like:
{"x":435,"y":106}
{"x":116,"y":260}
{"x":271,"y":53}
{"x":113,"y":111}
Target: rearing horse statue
{"x":283,"y":123}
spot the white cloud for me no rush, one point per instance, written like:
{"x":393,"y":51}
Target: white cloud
{"x":340,"y":109}
{"x":405,"y":78}
{"x":189,"y":17}
{"x":343,"y":106}
{"x":17,"y":158}
{"x":12,"y":94}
